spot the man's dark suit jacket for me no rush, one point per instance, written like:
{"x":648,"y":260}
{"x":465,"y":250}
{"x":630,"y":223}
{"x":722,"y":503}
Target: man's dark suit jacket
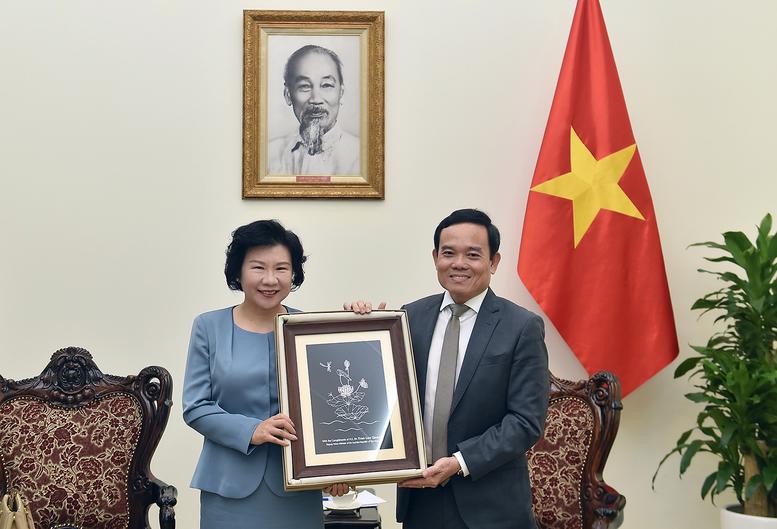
{"x":497,"y":413}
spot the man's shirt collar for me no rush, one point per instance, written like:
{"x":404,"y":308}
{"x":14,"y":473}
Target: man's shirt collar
{"x":473,"y":303}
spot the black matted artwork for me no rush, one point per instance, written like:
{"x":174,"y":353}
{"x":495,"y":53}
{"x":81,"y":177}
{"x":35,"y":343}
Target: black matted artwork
{"x":348,"y":397}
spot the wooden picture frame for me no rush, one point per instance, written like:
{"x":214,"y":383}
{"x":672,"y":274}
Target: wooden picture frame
{"x":313,"y":104}
{"x":348,"y":383}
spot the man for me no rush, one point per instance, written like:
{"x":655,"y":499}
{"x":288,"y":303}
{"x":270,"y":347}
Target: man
{"x":313,"y":87}
{"x":492,"y":352}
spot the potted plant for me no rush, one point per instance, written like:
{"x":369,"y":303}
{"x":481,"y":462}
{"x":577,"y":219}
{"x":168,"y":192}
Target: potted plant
{"x":735,"y":376}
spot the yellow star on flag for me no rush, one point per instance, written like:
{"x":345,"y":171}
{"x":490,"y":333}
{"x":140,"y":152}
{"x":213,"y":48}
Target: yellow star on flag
{"x":592,"y":185}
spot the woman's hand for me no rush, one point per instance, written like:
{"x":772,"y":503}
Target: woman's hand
{"x":362,"y":307}
{"x":277,"y":429}
{"x":337,"y":489}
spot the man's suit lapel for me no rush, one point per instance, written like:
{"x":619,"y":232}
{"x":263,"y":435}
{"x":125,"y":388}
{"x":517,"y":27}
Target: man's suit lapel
{"x":422,"y":330}
{"x":485,"y":324}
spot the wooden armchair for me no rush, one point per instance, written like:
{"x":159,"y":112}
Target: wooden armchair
{"x":77,"y":444}
{"x":566,"y":465}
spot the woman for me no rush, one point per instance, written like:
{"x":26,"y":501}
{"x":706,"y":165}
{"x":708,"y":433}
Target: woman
{"x":230,"y":392}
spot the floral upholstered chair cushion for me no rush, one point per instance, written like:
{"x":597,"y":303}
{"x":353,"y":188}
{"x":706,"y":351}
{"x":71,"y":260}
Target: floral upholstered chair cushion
{"x":71,"y":463}
{"x":566,"y":465}
{"x":557,"y":462}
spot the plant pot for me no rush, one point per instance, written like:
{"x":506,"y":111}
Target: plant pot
{"x":732,"y":518}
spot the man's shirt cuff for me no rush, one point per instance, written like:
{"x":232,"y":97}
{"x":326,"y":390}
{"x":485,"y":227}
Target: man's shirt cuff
{"x":460,"y":459}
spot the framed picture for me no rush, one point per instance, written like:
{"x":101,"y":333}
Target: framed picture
{"x":348,"y":383}
{"x":313,"y":104}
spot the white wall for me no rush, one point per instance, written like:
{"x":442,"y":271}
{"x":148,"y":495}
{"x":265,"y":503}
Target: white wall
{"x":120,"y":160}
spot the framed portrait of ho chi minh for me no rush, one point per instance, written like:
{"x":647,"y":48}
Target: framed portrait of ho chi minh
{"x":313,"y":104}
{"x":348,"y":383}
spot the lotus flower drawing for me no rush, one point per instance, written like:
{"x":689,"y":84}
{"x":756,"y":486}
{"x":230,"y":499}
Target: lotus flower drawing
{"x":346,"y":402}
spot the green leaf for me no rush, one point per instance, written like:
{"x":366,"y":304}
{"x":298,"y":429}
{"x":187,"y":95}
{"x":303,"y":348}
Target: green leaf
{"x":772,"y":254}
{"x":723,"y":259}
{"x":765,"y":227}
{"x":727,"y":433}
{"x":769,"y":418}
{"x":766,"y":224}
{"x":731,"y":277}
{"x":709,"y":432}
{"x":691,"y":451}
{"x":737,"y":241}
{"x":674,"y":450}
{"x":724,"y":473}
{"x":686,"y":365}
{"x":684,"y":437}
{"x":708,"y":483}
{"x":697,"y":397}
{"x":703,"y":397}
{"x":755,"y":482}
{"x":709,"y":244}
{"x":701,"y":349}
{"x":737,"y":244}
{"x":720,"y":420}
{"x":704,"y":303}
{"x":758,"y":303}
{"x":769,"y":477}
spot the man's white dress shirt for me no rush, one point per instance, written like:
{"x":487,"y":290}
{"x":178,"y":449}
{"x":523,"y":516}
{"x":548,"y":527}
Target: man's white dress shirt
{"x":467,"y":324}
{"x":340,"y":155}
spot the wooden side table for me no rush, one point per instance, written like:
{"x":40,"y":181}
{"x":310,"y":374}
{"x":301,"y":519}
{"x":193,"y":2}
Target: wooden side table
{"x":364,"y":518}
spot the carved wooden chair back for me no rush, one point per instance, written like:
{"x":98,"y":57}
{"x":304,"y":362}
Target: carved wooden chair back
{"x":566,"y":465}
{"x":78,"y":444}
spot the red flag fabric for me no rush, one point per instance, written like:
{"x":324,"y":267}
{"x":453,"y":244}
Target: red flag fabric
{"x":590,"y":252}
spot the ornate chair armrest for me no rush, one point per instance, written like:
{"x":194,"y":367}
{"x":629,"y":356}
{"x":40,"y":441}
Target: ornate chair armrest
{"x":166,"y":496}
{"x":609,"y":514}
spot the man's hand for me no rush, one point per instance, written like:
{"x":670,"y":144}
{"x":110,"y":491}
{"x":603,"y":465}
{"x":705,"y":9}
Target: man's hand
{"x":362,"y":307}
{"x":437,"y":474}
{"x":278,"y":429}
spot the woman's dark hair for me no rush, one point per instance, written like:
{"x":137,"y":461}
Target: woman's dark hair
{"x":263,"y":233}
{"x":470,"y":216}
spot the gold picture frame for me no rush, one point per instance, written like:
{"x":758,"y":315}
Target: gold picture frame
{"x":348,"y":383}
{"x":313,"y":124}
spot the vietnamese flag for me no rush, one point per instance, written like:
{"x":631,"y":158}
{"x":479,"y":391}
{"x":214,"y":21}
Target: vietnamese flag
{"x":590,"y":253}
